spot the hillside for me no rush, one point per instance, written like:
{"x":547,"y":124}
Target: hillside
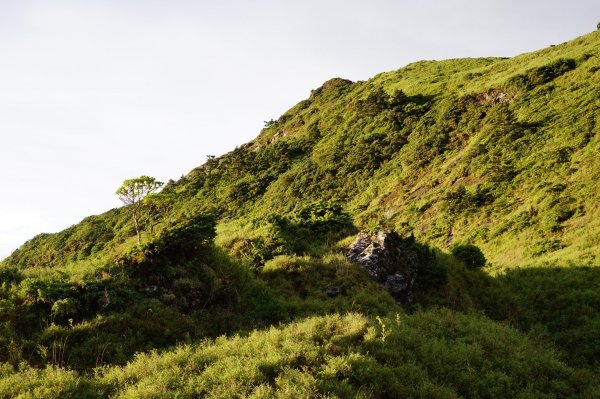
{"x":494,"y":154}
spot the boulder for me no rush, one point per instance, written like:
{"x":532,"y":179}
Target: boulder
{"x":390,"y":260}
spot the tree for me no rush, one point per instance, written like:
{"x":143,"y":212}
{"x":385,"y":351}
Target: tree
{"x":132,"y":192}
{"x":158,"y":206}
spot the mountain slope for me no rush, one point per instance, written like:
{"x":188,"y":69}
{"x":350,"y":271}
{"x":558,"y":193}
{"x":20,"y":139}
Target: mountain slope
{"x":492,"y":152}
{"x":483,"y":150}
{"x":500,"y":151}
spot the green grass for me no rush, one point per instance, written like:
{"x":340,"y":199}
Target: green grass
{"x":432,"y":354}
{"x":493,"y":154}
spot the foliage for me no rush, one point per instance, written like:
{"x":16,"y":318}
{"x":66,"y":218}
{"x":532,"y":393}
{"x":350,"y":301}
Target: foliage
{"x":350,"y":356}
{"x":132,"y":193}
{"x":184,"y":238}
{"x":304,"y":226}
{"x":436,"y":353}
{"x":470,"y":255}
{"x":306,"y":230}
{"x":543,"y":74}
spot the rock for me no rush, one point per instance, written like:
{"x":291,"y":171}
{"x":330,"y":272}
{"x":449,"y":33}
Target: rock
{"x":396,"y":283}
{"x":389,"y":259}
{"x":333,"y":290}
{"x":491,"y":97}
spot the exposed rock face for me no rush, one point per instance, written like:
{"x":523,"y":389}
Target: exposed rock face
{"x":388,"y":259}
{"x":491,"y":97}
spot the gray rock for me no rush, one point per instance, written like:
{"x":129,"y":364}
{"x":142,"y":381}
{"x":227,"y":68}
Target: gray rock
{"x":388,"y":259}
{"x":333,"y":290}
{"x":396,"y":283}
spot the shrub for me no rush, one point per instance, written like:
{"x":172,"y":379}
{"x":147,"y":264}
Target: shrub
{"x":186,"y":236}
{"x":10,"y":275}
{"x":177,"y":242}
{"x":431,"y":274}
{"x":460,"y":199}
{"x":302,"y":231}
{"x":470,"y":255}
{"x":543,"y":74}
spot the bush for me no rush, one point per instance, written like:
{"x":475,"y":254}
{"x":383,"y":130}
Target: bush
{"x":187,"y":236}
{"x":305,"y":230}
{"x":460,"y":199}
{"x":544,"y":74}
{"x":178,"y":242}
{"x":10,"y":274}
{"x":470,"y":255}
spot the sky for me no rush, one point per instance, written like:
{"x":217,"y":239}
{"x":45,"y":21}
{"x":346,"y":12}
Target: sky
{"x":96,"y":92}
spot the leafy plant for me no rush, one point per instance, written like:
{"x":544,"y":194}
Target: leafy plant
{"x":470,"y":255}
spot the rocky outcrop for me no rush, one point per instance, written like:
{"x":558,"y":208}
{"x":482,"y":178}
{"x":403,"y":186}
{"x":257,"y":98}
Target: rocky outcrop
{"x":389,"y":259}
{"x":488,"y":98}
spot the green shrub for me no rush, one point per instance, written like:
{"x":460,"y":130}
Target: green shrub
{"x":460,"y":199}
{"x":10,"y":275}
{"x":470,"y":255}
{"x":185,"y":237}
{"x":543,"y":74}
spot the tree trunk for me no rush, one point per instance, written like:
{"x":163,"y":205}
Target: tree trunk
{"x":137,"y":227}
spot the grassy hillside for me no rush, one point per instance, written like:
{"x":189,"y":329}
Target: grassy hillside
{"x":433,"y":354}
{"x":501,"y":154}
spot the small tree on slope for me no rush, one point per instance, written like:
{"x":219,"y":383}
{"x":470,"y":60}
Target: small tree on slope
{"x":132,"y":192}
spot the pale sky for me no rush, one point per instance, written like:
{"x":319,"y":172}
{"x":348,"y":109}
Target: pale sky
{"x":95,"y":92}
